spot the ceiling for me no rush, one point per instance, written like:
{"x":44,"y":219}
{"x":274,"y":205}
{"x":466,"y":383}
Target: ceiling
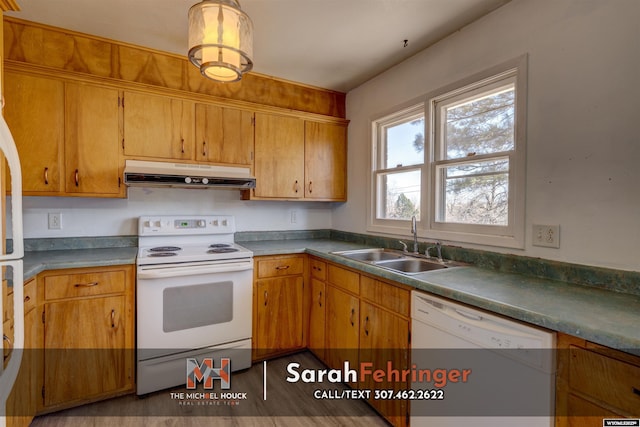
{"x":332,"y":44}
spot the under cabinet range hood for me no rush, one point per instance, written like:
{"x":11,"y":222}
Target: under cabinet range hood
{"x":139,"y":173}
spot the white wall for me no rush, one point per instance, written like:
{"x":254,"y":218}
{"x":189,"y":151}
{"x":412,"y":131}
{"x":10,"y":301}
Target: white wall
{"x":583,"y":148}
{"x":118,"y":217}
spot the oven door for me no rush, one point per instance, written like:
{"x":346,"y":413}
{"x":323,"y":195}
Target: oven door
{"x":192,"y":305}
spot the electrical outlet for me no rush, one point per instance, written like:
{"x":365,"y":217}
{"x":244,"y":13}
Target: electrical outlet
{"x":55,"y":221}
{"x":294,"y":217}
{"x":546,"y":235}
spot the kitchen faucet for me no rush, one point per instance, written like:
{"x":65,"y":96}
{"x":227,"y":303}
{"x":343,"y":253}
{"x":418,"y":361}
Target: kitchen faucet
{"x":414,"y":231}
{"x":438,"y":247}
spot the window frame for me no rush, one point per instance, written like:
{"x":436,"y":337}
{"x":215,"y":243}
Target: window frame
{"x":513,"y":234}
{"x":413,"y":109}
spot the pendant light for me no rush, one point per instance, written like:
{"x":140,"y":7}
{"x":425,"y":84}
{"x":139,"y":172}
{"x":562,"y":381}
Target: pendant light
{"x":220,"y":40}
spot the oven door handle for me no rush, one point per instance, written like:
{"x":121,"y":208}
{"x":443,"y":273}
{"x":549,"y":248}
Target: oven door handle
{"x":159,"y":273}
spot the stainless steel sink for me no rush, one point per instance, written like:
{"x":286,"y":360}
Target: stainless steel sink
{"x":412,"y":265}
{"x":372,"y":255}
{"x":400,"y":262}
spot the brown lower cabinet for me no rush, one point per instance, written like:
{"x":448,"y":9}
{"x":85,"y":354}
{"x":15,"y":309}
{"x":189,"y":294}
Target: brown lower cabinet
{"x":88,"y":335}
{"x":21,"y":404}
{"x":278,"y":306}
{"x":367,"y":322}
{"x":594,"y":382}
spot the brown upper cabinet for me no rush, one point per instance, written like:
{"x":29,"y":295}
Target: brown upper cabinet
{"x":35,"y":113}
{"x":224,"y":135}
{"x":299,"y":159}
{"x":279,"y":163}
{"x":92,"y":155}
{"x":67,"y":135}
{"x":325,"y":161}
{"x":158,"y":127}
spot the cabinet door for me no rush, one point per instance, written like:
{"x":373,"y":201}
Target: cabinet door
{"x":224,"y":135}
{"x":158,"y":126}
{"x":92,"y":141}
{"x":317,"y":318}
{"x":279,"y":315}
{"x":279,"y":156}
{"x":34,"y":112}
{"x":342,"y":334}
{"x":384,"y":337}
{"x":21,"y":404}
{"x":85,"y":344}
{"x":325,"y":161}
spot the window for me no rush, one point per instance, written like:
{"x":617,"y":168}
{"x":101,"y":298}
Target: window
{"x":456,"y":161}
{"x":400,"y":160}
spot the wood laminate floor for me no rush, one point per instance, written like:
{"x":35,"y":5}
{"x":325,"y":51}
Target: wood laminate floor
{"x":286,"y":405}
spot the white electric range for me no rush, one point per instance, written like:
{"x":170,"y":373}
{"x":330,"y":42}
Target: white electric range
{"x":194,"y":297}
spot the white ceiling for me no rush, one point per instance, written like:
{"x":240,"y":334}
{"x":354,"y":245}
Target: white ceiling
{"x":333,"y":44}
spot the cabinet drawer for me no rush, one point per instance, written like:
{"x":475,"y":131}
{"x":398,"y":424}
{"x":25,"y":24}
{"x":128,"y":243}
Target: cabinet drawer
{"x":388,"y":296}
{"x":345,"y":279}
{"x":606,"y":379}
{"x":29,"y":295}
{"x":280,"y":266}
{"x":85,"y":284}
{"x":318,"y":269}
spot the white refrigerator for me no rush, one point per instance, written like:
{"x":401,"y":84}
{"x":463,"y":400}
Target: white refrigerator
{"x":11,"y":264}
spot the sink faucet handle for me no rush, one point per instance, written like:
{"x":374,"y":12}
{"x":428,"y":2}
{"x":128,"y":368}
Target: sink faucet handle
{"x":404,"y":246}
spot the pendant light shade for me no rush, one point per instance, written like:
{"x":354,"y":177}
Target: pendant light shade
{"x":220,"y":40}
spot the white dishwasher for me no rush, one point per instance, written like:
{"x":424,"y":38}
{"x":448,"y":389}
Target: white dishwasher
{"x":473,"y":368}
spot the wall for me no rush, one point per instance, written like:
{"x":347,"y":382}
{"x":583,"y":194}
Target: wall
{"x":118,"y":217}
{"x":583,"y":152}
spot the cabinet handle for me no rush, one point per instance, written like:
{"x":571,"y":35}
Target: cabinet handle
{"x":265,"y":298}
{"x":182,"y":145}
{"x":9,"y":346}
{"x":85,"y":285}
{"x":635,"y":391}
{"x":310,"y":189}
{"x":46,"y":176}
{"x":366,"y":326}
{"x":27,"y":298}
{"x":320,"y":299}
{"x":295,"y":187}
{"x":353,"y":311}
{"x":204,"y":148}
{"x":113,"y":318}
{"x":282,"y":267}
{"x":77,"y":178}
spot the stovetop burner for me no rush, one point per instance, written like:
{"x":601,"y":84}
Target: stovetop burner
{"x":162,"y":254}
{"x":165,"y":249}
{"x":220,"y":245}
{"x":221,"y":250}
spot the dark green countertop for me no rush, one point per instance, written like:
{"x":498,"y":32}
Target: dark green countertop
{"x":37,"y":261}
{"x":598,"y":315}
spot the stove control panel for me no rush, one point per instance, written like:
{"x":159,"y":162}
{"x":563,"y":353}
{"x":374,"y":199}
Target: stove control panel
{"x":183,"y":225}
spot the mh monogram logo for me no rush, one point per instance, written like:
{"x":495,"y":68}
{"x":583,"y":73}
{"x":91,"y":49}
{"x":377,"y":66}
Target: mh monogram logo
{"x":206,"y":373}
